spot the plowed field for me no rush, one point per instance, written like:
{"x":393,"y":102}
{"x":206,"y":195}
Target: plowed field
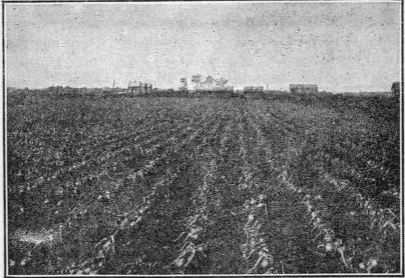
{"x":171,"y":186}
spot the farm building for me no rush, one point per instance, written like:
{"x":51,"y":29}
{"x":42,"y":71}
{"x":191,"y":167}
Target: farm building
{"x":139,"y":88}
{"x":395,"y":89}
{"x":302,"y":89}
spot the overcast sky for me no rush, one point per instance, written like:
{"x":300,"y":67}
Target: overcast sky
{"x":339,"y":46}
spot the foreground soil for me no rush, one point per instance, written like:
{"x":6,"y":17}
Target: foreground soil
{"x":193,"y":186}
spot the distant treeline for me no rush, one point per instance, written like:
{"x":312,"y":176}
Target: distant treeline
{"x":16,"y":96}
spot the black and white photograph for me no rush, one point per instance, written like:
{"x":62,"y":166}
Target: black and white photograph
{"x":192,"y":138}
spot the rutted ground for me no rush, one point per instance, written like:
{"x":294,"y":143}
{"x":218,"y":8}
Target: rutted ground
{"x":199,"y":186}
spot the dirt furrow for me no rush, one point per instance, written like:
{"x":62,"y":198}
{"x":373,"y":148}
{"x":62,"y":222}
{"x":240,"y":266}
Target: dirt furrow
{"x":93,"y":152}
{"x":191,"y":250}
{"x":99,"y":178}
{"x":335,"y":245}
{"x":113,"y":196}
{"x":153,"y":247}
{"x":255,"y":251}
{"x":105,"y":249}
{"x":280,"y":236}
{"x":95,"y":157}
{"x":223,"y":254}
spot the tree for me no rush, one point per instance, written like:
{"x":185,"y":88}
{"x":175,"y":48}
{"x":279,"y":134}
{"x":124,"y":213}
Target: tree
{"x":196,"y":80}
{"x":221,"y":82}
{"x":209,"y":82}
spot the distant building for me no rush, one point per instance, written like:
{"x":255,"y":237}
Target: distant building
{"x":303,"y":89}
{"x":395,"y":89}
{"x":139,"y":88}
{"x":251,"y":89}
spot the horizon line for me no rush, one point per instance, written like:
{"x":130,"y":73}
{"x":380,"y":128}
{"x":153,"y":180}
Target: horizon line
{"x":171,"y":88}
